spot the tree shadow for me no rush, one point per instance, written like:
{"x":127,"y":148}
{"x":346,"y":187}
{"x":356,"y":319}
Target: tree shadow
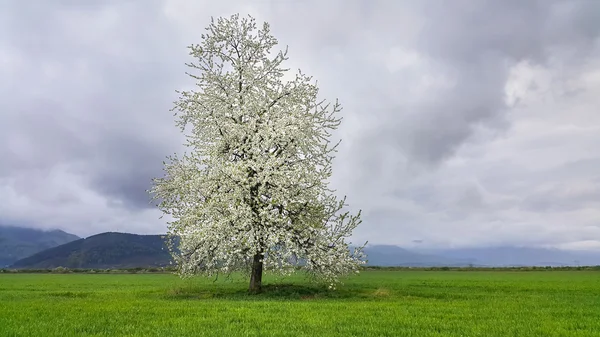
{"x":273,"y":291}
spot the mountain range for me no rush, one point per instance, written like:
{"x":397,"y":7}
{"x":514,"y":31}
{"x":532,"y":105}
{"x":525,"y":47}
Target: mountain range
{"x":520,"y":256}
{"x":103,"y":251}
{"x":34,"y":249}
{"x":17,"y":242}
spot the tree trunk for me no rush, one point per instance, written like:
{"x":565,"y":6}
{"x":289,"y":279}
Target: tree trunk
{"x":256,"y":276}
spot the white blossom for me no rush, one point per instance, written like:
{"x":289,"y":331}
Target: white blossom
{"x":255,"y":182}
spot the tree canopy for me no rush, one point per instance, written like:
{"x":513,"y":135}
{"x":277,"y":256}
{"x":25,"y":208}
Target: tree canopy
{"x":252,"y":193}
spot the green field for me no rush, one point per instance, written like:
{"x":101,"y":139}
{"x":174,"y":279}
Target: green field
{"x":375,"y":303}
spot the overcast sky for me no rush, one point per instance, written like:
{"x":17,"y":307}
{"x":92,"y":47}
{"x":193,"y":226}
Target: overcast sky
{"x":466,"y":123}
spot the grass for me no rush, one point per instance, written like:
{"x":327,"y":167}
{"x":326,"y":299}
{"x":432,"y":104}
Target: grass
{"x":375,"y":303}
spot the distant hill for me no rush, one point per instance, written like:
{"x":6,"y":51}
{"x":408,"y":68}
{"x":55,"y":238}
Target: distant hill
{"x":510,"y":256}
{"x":121,"y":250}
{"x":102,"y":251}
{"x":394,"y":256}
{"x":17,"y":242}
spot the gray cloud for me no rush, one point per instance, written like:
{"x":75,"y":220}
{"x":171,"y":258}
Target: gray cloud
{"x":466,"y":123}
{"x":89,"y":91}
{"x":90,"y":88}
{"x":469,"y":49}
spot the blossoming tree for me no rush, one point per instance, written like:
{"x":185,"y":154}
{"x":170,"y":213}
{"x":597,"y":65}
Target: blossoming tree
{"x":252,"y":195}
